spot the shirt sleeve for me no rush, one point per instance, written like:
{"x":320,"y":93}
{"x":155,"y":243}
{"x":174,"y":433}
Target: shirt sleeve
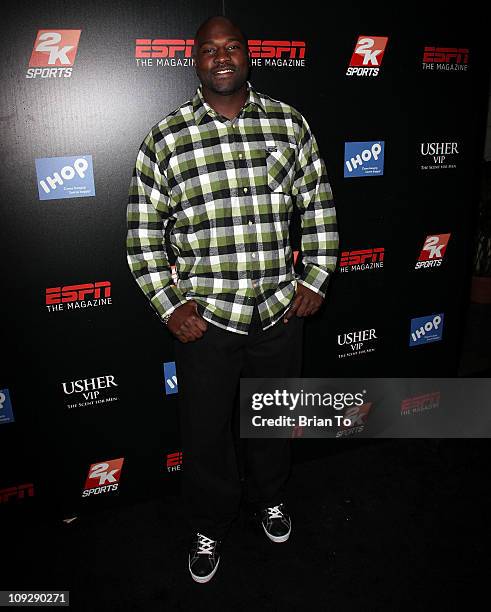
{"x":315,"y":201}
{"x":147,"y":217}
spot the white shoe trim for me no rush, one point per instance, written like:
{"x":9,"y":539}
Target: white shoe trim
{"x":202,"y":579}
{"x":273,"y":538}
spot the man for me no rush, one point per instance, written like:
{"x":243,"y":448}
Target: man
{"x":219,"y":175}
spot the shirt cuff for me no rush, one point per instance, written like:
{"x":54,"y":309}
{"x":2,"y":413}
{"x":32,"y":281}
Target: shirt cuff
{"x":167,"y":300}
{"x":315,"y":278}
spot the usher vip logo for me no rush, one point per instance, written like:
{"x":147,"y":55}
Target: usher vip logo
{"x":426,"y":329}
{"x":364,"y":259}
{"x":65,"y":177}
{"x":439,"y":155}
{"x":433,"y":250}
{"x":445,"y":59}
{"x":90,"y":391}
{"x":363,"y":159}
{"x":86,"y":295}
{"x":6,"y":413}
{"x":360,"y":342}
{"x":53,"y":54}
{"x":367,"y":56}
{"x":103,"y":477}
{"x":179,"y":51}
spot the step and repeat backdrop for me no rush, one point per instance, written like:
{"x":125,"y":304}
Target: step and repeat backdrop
{"x":88,"y":384}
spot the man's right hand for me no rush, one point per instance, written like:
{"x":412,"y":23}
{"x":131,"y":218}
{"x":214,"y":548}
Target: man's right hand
{"x":186,"y":323}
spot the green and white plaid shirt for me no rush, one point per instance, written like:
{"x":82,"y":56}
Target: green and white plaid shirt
{"x":224,"y":191}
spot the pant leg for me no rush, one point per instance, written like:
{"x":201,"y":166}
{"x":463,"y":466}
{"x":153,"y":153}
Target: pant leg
{"x":208,"y":372}
{"x":274,"y":353}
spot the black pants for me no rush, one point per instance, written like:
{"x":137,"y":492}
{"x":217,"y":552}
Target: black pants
{"x":209,"y":372}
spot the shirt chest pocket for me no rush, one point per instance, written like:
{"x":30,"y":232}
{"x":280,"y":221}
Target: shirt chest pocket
{"x":280,"y":163}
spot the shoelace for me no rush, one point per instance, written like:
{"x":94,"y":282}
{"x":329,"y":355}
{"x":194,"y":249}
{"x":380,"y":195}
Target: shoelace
{"x":205,"y":545}
{"x":275,"y":512}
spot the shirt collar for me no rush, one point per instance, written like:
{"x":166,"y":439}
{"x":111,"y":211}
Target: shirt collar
{"x":202,"y":108}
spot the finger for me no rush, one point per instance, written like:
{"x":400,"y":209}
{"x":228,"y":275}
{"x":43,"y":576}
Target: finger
{"x":201,"y":323}
{"x":304,"y":308}
{"x":293,"y":309}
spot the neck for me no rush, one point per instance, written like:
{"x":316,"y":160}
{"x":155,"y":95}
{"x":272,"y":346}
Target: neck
{"x":229,"y":105}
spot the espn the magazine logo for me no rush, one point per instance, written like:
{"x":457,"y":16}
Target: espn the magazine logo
{"x":420,"y":403}
{"x":179,"y":52}
{"x":362,"y":259}
{"x":103,"y":477}
{"x":367,"y":56}
{"x":53,"y":54}
{"x":433,"y":251}
{"x":445,"y":59}
{"x":174,"y":461}
{"x":85,"y":295}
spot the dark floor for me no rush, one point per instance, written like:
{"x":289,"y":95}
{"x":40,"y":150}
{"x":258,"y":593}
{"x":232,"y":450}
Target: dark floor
{"x":378,"y":525}
{"x":385,"y":525}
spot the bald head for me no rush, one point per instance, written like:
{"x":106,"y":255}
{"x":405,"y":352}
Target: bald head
{"x":214,"y":24}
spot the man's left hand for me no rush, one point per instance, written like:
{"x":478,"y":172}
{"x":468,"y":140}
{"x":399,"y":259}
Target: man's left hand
{"x":305,"y":303}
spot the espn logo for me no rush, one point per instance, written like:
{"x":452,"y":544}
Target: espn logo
{"x":103,"y":477}
{"x":174,"y":461}
{"x":445,"y":55}
{"x":163,"y":47}
{"x":420,"y":403}
{"x":363,"y":259}
{"x":53,"y":54}
{"x":433,"y":251}
{"x":294,"y":49}
{"x":170,"y":47}
{"x":367,"y":56}
{"x":74,"y":293}
{"x":17,"y":492}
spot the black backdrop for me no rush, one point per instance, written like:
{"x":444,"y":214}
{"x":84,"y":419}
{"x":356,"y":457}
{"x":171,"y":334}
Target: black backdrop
{"x":105,"y":108}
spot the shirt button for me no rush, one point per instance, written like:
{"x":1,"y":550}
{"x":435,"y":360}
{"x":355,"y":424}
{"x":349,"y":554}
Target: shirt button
{"x":254,"y":255}
{"x":246,"y":190}
{"x":240,"y":156}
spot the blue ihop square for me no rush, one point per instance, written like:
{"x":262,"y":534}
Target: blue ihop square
{"x":426,"y":329}
{"x":65,"y":177}
{"x":6,"y":414}
{"x":363,"y":158}
{"x":170,"y":377}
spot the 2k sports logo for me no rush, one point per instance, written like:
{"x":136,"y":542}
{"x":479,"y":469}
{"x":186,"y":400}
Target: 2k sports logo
{"x":103,"y":477}
{"x":53,"y":54}
{"x":433,"y":250}
{"x":367,"y":56}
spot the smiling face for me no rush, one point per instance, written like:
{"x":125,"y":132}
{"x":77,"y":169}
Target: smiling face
{"x":221,"y":58}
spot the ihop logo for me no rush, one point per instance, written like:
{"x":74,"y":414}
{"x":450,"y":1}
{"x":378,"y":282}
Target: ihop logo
{"x":426,"y":329}
{"x":363,"y":158}
{"x":65,"y":177}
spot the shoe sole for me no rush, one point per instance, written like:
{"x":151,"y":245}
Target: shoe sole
{"x":277,"y":539}
{"x":202,"y":579}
